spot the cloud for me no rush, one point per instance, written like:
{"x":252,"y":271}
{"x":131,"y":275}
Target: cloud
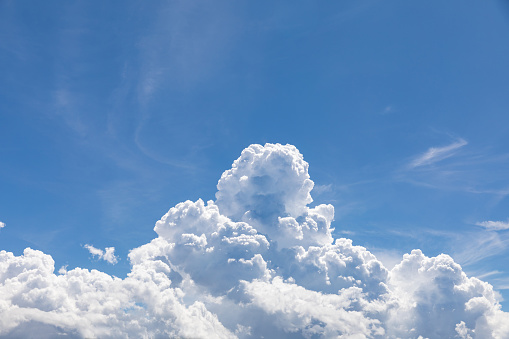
{"x":257,"y":262}
{"x":108,"y":254}
{"x":320,"y":189}
{"x":434,"y":296}
{"x":494,"y":225}
{"x":388,"y":110}
{"x":84,"y":303}
{"x":472,"y":247}
{"x":435,"y":154}
{"x":2,"y":224}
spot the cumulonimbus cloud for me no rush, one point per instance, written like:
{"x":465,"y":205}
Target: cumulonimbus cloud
{"x":256,"y":262}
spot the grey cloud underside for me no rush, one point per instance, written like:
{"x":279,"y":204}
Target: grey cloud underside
{"x":256,"y":262}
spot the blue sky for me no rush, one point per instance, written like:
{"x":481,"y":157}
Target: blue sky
{"x":112,"y":113}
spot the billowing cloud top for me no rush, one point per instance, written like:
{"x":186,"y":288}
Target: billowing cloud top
{"x":257,"y":262}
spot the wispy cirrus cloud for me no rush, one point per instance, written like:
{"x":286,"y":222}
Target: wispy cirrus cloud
{"x":478,"y":170}
{"x":473,"y":247}
{"x":494,"y":225}
{"x":468,"y":248}
{"x":435,"y":154}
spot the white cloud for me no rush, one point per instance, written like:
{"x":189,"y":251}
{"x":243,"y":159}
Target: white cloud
{"x":257,"y":262}
{"x":62,"y":270}
{"x":432,"y":291}
{"x":472,"y":247}
{"x":108,"y":254}
{"x":388,"y":110}
{"x":435,"y":154}
{"x":320,"y":189}
{"x":2,"y":224}
{"x":494,"y":225}
{"x":93,"y":304}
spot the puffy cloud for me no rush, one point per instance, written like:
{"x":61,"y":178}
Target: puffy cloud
{"x":269,"y":188}
{"x":494,"y":225}
{"x":437,"y":300}
{"x":264,"y":183}
{"x":257,"y":262}
{"x":108,"y":254}
{"x":85,"y":303}
{"x":310,"y":313}
{"x":2,"y":224}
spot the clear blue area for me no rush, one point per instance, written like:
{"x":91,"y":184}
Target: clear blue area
{"x":113,"y":112}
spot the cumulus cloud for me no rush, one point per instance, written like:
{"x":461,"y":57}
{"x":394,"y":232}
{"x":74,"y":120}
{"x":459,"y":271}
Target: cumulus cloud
{"x":2,"y":224}
{"x":256,"y":262}
{"x":108,"y":254}
{"x":435,"y":154}
{"x":494,"y":225}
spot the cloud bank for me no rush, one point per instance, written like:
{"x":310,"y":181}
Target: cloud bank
{"x":257,"y":262}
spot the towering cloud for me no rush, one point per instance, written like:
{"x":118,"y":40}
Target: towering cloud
{"x":256,"y":262}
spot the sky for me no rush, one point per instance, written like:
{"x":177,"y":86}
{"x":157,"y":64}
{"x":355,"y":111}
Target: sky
{"x":113,"y":114}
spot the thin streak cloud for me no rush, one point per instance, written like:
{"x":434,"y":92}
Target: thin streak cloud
{"x":435,"y":154}
{"x":494,"y":225}
{"x":479,"y":246}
